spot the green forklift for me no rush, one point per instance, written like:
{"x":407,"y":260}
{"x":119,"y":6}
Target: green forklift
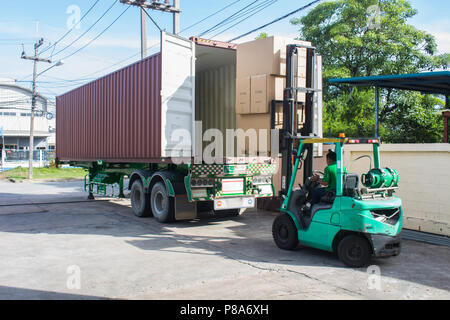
{"x":356,"y":223}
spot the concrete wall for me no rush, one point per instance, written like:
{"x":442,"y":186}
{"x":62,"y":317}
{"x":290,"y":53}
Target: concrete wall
{"x":424,"y":171}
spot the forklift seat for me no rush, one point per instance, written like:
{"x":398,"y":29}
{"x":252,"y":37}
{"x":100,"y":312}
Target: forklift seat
{"x":326,"y":202}
{"x":351,"y":185}
{"x":320,"y":206}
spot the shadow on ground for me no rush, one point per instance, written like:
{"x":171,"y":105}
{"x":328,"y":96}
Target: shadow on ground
{"x":9,"y":293}
{"x":246,"y":238}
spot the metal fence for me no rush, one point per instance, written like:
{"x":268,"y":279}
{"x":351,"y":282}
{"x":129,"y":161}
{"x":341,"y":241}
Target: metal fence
{"x":38,"y":155}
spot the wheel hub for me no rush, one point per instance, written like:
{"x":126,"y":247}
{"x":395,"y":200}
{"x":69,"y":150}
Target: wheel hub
{"x":283,"y":232}
{"x":355,"y":252}
{"x":159,"y":202}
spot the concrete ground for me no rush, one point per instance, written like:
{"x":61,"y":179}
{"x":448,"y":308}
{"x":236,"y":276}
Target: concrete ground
{"x":67,"y":248}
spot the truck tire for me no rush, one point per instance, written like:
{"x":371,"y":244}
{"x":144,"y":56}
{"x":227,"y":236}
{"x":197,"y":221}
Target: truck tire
{"x":162,"y":206}
{"x":285,"y":232}
{"x":354,"y":251}
{"x":140,"y":201}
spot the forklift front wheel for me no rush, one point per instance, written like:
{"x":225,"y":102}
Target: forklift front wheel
{"x":285,"y":232}
{"x":354,"y":251}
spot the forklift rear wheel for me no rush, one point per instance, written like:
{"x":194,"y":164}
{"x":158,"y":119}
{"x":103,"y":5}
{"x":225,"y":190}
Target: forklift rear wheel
{"x":140,"y":201}
{"x":285,"y":232}
{"x":354,"y":251}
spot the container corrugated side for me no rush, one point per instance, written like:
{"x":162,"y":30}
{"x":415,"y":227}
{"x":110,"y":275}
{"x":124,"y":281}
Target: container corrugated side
{"x":116,"y":118}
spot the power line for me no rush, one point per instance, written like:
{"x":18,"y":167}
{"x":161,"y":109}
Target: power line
{"x":67,"y":33}
{"x":244,"y":13}
{"x":154,"y":22}
{"x":101,"y":33}
{"x":226,"y":19}
{"x":110,"y":66}
{"x":93,"y":25}
{"x":276,"y":20}
{"x":264,"y":6}
{"x":210,"y":16}
{"x":98,"y":36}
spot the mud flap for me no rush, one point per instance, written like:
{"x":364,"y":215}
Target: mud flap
{"x":184,"y":210}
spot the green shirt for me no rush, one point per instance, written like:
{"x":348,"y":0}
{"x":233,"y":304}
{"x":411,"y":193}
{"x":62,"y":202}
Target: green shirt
{"x":330,"y":176}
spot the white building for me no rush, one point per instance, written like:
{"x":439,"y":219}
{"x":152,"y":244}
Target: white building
{"x":15,"y":111}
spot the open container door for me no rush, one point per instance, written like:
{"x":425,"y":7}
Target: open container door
{"x":177,"y":96}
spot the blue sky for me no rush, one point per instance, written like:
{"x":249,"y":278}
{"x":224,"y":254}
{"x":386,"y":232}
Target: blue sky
{"x":122,"y":40}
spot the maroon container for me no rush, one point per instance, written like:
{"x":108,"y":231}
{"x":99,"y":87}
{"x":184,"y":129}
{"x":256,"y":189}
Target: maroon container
{"x":116,"y":118}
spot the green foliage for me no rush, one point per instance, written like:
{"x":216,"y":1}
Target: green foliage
{"x":415,"y":119}
{"x":262,"y":35}
{"x":20,"y":173}
{"x":354,"y":43}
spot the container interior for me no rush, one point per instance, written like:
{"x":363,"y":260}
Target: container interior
{"x":215,"y":101}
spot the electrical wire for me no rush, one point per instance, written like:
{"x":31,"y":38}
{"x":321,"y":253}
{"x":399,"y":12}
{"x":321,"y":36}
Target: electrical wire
{"x":267,"y":4}
{"x":69,"y":45}
{"x":210,"y":16}
{"x":245,"y":13}
{"x":154,"y":22}
{"x":276,"y":20}
{"x":85,"y":77}
{"x":93,"y":25}
{"x":226,"y":19}
{"x":98,"y":36}
{"x":68,"y":32}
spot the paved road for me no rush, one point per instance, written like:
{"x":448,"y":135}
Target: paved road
{"x":98,"y":249}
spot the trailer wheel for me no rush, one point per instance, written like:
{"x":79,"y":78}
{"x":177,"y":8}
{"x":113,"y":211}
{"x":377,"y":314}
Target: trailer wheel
{"x":161,"y":204}
{"x":354,"y":251}
{"x":140,"y":201}
{"x":285,"y":232}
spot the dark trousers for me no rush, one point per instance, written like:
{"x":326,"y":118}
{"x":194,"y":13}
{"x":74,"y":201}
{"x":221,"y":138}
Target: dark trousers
{"x":317,"y":194}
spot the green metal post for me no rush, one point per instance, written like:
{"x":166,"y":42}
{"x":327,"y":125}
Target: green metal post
{"x":91,"y":189}
{"x":293,"y":176}
{"x":376,"y":155}
{"x":339,"y":162}
{"x":121,"y":194}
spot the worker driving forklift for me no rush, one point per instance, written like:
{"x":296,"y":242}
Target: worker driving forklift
{"x":356,"y":223}
{"x":328,"y":180}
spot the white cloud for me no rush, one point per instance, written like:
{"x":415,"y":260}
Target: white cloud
{"x":443,"y":41}
{"x":440,"y":30}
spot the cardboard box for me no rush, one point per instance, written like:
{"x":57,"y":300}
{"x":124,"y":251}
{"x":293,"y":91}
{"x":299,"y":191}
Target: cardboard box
{"x":243,"y":95}
{"x":261,"y":73}
{"x":261,"y":78}
{"x":267,"y":56}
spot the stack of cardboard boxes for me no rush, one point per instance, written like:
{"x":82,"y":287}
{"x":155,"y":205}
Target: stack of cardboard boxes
{"x":261,"y":78}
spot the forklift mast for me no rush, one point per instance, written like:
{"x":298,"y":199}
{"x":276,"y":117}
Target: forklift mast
{"x":289,"y":132}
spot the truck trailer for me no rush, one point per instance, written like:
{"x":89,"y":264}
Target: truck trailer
{"x":127,"y":125}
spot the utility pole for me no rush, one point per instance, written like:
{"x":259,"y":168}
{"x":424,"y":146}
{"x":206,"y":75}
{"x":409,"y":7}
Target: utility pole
{"x":36,"y":59}
{"x":143,"y":34}
{"x":155,"y":5}
{"x":176,"y":17}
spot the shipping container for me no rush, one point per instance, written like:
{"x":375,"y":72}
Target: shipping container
{"x":127,"y":124}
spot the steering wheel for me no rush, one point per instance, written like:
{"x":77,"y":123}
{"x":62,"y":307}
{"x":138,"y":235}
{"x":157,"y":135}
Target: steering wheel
{"x":309,"y":185}
{"x":318,"y":172}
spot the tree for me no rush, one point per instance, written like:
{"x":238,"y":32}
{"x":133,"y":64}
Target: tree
{"x":365,"y":38}
{"x":262,"y":35}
